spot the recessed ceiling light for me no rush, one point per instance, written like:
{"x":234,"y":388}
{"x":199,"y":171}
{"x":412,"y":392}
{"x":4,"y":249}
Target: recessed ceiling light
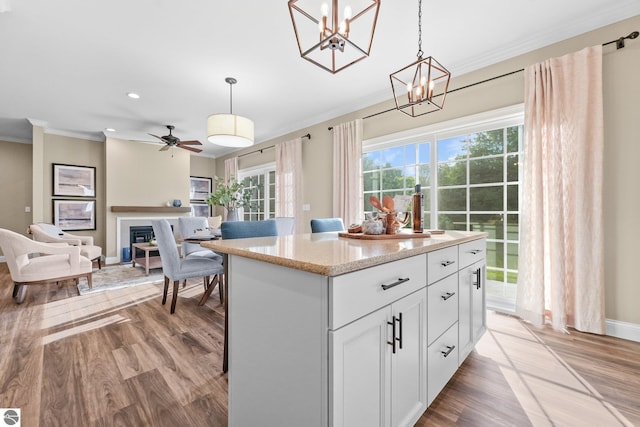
{"x":133,"y":95}
{"x":110,"y":129}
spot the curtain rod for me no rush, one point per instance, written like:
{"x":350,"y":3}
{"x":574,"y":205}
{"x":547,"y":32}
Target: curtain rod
{"x":619,"y":45}
{"x":260,"y":150}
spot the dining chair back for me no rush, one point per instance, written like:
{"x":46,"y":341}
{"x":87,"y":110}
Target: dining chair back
{"x":190,"y":226}
{"x":321,"y":225}
{"x":286,"y":225}
{"x":244,"y":229}
{"x":176,"y":269}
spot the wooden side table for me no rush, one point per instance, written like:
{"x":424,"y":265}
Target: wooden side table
{"x":148,"y":262}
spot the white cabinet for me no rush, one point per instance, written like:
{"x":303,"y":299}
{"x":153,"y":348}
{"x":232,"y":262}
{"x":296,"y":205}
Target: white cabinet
{"x":472,"y":313}
{"x":378,"y":366}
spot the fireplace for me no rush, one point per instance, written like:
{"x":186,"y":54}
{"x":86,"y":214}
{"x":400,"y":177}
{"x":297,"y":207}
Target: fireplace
{"x":140,"y":234}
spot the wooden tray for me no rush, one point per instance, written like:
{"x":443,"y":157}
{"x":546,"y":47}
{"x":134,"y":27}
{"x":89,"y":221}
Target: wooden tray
{"x":401,"y":235}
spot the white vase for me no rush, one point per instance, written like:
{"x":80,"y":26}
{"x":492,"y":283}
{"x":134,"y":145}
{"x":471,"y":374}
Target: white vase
{"x":232,"y":215}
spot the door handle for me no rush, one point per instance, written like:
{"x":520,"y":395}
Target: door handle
{"x":447,"y":295}
{"x":478,"y":274}
{"x":400,"y":281}
{"x":448,"y":351}
{"x":446,"y":263}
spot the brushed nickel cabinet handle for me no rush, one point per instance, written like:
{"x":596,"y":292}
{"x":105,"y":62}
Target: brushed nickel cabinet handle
{"x":447,"y":295}
{"x":396,"y":283}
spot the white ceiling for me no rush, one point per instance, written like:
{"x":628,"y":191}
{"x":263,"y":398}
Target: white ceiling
{"x":68,"y":64}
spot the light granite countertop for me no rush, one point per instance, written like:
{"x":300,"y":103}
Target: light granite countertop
{"x":331,"y":255}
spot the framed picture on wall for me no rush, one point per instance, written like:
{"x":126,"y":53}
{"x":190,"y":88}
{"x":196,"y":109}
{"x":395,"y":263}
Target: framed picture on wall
{"x":200,"y":209}
{"x":71,"y":180}
{"x":74,"y":214}
{"x":200,"y":188}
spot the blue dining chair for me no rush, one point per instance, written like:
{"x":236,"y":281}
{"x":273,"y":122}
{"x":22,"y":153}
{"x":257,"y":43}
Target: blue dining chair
{"x":320,"y":225}
{"x":176,"y":269}
{"x":244,"y":229}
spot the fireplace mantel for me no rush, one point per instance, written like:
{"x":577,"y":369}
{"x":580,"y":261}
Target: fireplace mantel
{"x":159,"y":209}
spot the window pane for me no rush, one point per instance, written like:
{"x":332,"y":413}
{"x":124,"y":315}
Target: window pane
{"x":392,"y":179}
{"x":491,"y":224}
{"x":512,"y":167}
{"x":452,"y":222}
{"x":410,"y":154}
{"x":370,"y":161}
{"x":427,"y":221}
{"x":424,"y":179}
{"x":486,"y":143}
{"x":512,"y":227}
{"x":410,"y":177}
{"x":452,"y":149}
{"x":512,"y":256}
{"x":512,"y":277}
{"x":454,"y":173}
{"x":482,"y":171}
{"x":495,"y":254}
{"x":512,"y":197}
{"x":272,"y":206}
{"x":512,"y":139}
{"x":497,"y":275}
{"x":486,"y":198}
{"x":425,"y":152}
{"x":453,"y":199}
{"x":371,"y":181}
{"x":393,"y":157}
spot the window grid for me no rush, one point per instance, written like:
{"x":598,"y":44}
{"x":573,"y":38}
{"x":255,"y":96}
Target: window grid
{"x":261,"y":184}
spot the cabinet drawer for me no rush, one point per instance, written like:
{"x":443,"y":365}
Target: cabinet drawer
{"x":442,"y":302}
{"x":355,"y":294}
{"x":471,"y":252}
{"x":442,"y":263}
{"x":442,"y":360}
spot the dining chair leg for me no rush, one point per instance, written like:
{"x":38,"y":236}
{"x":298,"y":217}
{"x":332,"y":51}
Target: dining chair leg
{"x":166,"y":289}
{"x":220,"y":286}
{"x":184,"y":283}
{"x":176,"y":286}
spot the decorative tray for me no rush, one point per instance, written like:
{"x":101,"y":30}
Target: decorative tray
{"x":400,"y":235}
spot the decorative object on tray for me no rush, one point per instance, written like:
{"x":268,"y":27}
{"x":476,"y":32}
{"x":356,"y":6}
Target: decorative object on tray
{"x":373,"y":225}
{"x":392,"y":219}
{"x":402,"y":234}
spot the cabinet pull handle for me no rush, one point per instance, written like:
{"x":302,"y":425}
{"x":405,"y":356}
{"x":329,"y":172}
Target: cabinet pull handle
{"x":400,"y":324}
{"x":447,"y":295}
{"x":478,"y":274}
{"x":396,"y":283}
{"x":475,"y":251}
{"x":446,"y":263}
{"x":393,"y":334}
{"x":450,"y":348}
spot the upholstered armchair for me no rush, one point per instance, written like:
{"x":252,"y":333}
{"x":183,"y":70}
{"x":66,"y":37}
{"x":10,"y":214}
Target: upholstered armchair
{"x":32,"y":262}
{"x":49,"y":233}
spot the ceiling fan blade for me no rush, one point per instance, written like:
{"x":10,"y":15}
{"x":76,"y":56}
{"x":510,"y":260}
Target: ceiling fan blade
{"x":156,"y":136}
{"x":165,"y":148}
{"x":195,"y":150}
{"x":190,"y":143}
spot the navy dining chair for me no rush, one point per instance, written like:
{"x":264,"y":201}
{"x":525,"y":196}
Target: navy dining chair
{"x":321,"y":225}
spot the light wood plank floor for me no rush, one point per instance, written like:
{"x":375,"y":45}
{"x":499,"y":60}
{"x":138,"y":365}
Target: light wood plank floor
{"x":119,"y":358}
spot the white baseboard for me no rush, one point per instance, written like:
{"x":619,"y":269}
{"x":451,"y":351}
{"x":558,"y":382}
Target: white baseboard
{"x":624,"y":330}
{"x":2,"y":259}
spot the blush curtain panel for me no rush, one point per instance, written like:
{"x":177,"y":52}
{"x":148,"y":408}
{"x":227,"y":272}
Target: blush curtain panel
{"x":289,"y":181}
{"x":561,"y":272}
{"x":231,"y":170}
{"x":347,"y":172}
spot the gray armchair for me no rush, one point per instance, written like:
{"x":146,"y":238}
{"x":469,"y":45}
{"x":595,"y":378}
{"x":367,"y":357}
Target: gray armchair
{"x":176,"y":269}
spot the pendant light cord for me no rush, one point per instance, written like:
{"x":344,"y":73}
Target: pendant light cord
{"x":230,"y":98}
{"x":420,"y":52}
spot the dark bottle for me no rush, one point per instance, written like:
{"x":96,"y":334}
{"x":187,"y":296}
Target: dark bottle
{"x":417,"y":203}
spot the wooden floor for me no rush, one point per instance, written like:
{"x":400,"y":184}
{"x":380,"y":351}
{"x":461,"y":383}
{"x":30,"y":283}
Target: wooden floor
{"x":118,"y":358}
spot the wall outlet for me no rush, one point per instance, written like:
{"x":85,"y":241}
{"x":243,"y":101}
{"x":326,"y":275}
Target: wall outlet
{"x":27,"y":209}
{"x":306,"y":207}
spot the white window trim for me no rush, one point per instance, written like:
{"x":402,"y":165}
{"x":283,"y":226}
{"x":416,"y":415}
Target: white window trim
{"x":262,"y":169}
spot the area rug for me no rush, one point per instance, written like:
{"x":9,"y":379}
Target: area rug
{"x":117,"y":277}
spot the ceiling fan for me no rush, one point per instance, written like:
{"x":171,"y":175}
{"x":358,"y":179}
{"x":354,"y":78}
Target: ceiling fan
{"x":174,"y":141}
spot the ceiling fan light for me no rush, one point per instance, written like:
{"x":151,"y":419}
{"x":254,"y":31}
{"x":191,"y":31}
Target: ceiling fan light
{"x":230,"y":130}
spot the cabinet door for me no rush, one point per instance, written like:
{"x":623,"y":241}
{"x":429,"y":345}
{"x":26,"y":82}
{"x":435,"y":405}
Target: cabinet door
{"x":360,"y":372}
{"x":409,"y":362}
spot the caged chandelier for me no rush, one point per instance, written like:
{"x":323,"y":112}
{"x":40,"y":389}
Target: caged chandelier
{"x":333,"y":35}
{"x":230,"y":130}
{"x":414,"y":84}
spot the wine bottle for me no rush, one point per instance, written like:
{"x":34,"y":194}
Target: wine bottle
{"x":418,"y":201}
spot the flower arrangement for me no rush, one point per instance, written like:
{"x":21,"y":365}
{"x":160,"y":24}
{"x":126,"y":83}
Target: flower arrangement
{"x":230,"y":195}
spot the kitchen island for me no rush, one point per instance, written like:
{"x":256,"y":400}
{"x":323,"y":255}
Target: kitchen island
{"x":331,"y":331}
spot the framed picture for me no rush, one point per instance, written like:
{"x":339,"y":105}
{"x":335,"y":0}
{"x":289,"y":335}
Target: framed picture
{"x":200,"y":188}
{"x":70,"y":180}
{"x":74,"y":214}
{"x":200,"y":209}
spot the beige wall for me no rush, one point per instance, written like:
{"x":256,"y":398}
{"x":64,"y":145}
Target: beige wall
{"x":622,"y":133}
{"x":203,"y":166}
{"x":16,"y":187}
{"x":141,"y":175}
{"x":78,"y":152}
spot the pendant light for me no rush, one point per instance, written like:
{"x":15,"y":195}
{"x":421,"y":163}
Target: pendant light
{"x":413,"y":86}
{"x":334,"y":34}
{"x":230,"y":130}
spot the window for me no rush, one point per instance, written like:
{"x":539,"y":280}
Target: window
{"x":469,"y":173}
{"x":261,"y":182}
